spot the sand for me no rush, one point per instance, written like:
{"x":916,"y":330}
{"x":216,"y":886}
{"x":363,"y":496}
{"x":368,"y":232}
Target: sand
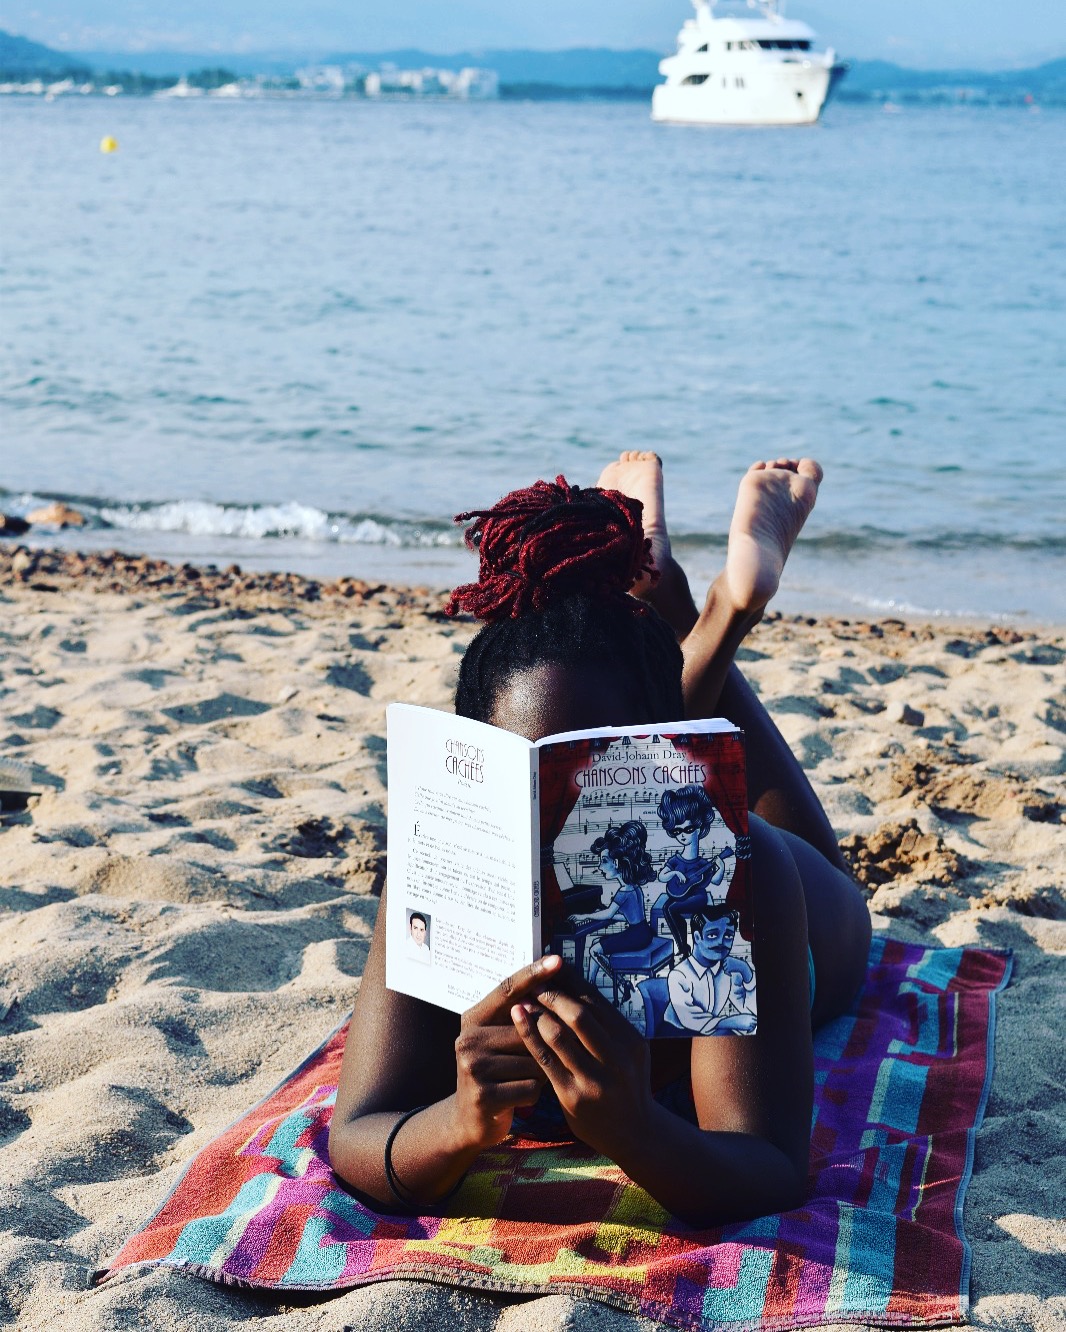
{"x":185,"y":908}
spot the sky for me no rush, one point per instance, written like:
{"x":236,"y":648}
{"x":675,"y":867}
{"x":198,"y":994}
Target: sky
{"x":922,"y":33}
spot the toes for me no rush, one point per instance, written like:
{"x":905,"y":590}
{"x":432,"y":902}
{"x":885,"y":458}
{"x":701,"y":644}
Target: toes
{"x":801,"y":466}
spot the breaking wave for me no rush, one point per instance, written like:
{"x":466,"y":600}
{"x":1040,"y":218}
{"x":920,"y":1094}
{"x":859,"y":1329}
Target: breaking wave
{"x":249,"y":522}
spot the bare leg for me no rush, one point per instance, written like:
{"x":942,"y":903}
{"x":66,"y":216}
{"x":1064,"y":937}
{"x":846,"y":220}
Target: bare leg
{"x":640,"y":475}
{"x":778,"y":789}
{"x":772,"y":505}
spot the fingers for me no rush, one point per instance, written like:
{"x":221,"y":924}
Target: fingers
{"x":565,"y":1039}
{"x":506,"y":1068}
{"x":476,"y":1045}
{"x":496,"y":1004}
{"x":611,"y":1022}
{"x":545,"y":1038}
{"x":500,"y":1098}
{"x":495,"y":1071}
{"x":576,"y":1016}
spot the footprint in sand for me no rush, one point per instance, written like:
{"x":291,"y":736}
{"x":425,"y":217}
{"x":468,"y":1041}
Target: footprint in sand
{"x":350,"y":675}
{"x":221,"y":707}
{"x":40,"y":719}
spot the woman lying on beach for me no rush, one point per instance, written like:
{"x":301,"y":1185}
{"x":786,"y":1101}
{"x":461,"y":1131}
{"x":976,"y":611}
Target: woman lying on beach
{"x":583,"y":630}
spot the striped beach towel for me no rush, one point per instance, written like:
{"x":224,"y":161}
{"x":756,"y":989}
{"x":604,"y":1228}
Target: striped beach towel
{"x":900,"y":1089}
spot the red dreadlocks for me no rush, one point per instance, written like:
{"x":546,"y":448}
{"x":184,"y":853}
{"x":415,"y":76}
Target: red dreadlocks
{"x":548,"y":541}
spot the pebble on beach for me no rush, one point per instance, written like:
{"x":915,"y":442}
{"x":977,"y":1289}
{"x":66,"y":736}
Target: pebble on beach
{"x":903,"y":713}
{"x":56,"y":514}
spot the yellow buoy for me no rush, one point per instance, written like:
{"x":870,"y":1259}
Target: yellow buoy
{"x":108,"y":144}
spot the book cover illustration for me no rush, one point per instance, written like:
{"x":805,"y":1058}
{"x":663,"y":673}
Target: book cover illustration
{"x":646,"y":866}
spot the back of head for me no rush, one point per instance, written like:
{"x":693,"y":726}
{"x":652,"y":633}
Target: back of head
{"x":556,"y":565}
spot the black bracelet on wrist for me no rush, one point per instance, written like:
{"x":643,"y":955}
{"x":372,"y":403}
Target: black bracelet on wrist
{"x":398,"y":1190}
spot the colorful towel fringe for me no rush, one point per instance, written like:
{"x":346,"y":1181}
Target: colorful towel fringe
{"x":901,"y":1085}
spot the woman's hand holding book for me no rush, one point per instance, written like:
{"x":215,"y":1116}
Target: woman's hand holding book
{"x":495,"y":1072}
{"x":596,"y":1061}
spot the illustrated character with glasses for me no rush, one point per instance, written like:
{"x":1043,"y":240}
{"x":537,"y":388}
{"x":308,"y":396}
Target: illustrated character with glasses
{"x":687,"y":815}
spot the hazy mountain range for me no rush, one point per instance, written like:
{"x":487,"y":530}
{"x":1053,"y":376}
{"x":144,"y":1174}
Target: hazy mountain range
{"x":587,"y":68}
{"x":946,"y":34}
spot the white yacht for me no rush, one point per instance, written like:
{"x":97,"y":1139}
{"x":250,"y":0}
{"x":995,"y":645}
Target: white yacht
{"x":751,"y":66}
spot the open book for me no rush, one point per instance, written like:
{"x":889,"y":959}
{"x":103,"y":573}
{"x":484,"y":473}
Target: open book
{"x":624,"y":849}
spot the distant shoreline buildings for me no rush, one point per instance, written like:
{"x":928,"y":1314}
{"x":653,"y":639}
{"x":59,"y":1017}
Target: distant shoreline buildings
{"x":323,"y":81}
{"x":469,"y":84}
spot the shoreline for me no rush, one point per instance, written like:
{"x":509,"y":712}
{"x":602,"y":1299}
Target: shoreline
{"x":62,"y":568}
{"x":187,"y":898}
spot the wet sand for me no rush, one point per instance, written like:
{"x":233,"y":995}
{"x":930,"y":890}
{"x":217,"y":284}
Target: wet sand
{"x":185,"y":908}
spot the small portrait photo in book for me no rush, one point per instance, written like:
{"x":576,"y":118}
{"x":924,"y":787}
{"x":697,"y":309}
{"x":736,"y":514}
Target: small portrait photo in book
{"x":419,"y":940}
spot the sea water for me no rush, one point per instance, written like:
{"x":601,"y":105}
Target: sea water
{"x":303,"y":334}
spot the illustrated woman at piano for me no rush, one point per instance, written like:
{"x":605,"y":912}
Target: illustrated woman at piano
{"x":624,"y":861}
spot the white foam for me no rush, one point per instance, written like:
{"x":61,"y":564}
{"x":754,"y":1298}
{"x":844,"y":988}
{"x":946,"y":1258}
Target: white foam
{"x":292,"y":521}
{"x":202,"y":518}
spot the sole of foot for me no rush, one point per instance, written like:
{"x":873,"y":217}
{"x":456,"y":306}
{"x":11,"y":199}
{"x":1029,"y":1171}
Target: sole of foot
{"x":773,"y":502}
{"x":640,"y":476}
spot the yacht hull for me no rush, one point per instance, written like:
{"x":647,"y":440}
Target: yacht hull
{"x":785,"y":93}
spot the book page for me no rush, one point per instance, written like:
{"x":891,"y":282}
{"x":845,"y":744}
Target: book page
{"x":647,"y":873}
{"x":460,"y":856}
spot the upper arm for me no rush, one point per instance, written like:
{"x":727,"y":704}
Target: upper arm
{"x":399,"y":1052}
{"x":763,"y":1084}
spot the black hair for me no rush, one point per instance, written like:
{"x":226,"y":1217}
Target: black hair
{"x":685,"y":804}
{"x":417,"y":915}
{"x":627,"y":846}
{"x":702,"y":918}
{"x":576,"y":630}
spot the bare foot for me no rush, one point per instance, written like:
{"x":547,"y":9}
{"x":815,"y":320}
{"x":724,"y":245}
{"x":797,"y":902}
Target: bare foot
{"x":772,"y":505}
{"x":640,"y":476}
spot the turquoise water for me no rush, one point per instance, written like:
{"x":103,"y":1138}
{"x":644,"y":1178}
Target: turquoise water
{"x":303,"y":335}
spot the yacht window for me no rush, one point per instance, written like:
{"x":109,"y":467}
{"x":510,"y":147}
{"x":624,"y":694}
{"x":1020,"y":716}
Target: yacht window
{"x":739,"y":83}
{"x":696,"y":78}
{"x":701,"y":48}
{"x":728,"y":46}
